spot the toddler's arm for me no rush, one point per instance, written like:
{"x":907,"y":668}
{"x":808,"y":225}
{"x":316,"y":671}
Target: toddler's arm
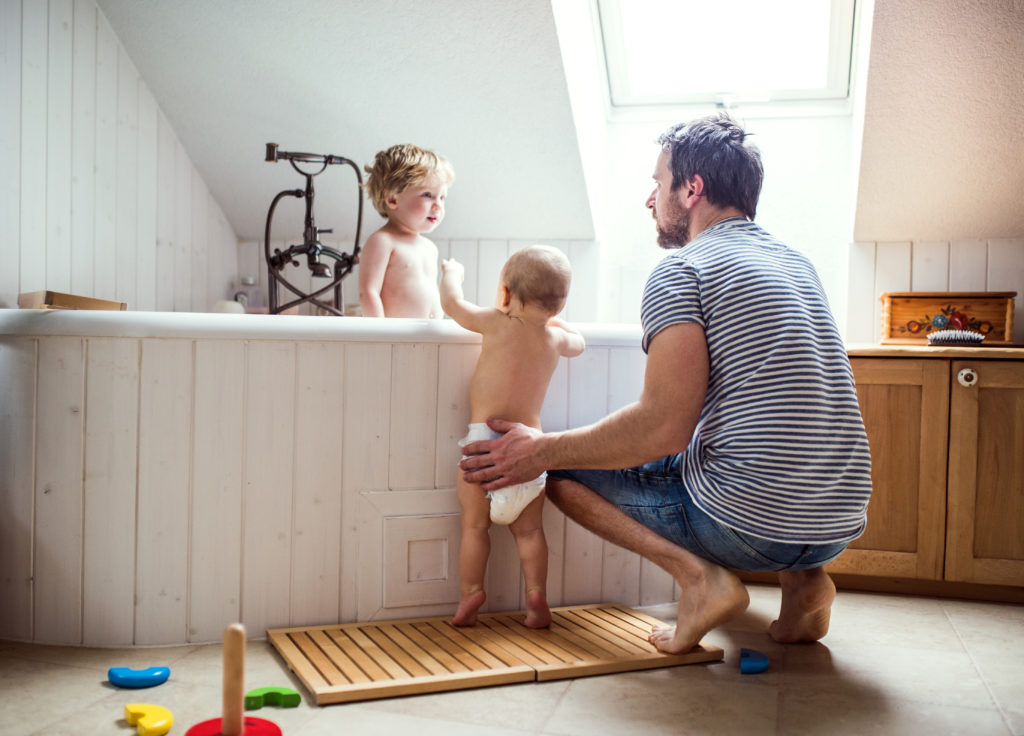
{"x":373,"y":262}
{"x":572,"y":342}
{"x":453,"y":302}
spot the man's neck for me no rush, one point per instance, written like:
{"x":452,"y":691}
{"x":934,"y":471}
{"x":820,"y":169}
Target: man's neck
{"x":701,"y":218}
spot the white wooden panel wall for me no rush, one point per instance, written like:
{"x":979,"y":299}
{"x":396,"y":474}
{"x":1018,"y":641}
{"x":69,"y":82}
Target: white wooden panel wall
{"x":959,"y":265}
{"x":154,"y":490}
{"x":86,"y":172}
{"x":482,"y":259}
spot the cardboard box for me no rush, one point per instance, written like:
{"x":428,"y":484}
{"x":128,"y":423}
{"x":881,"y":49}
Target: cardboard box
{"x":908,"y":317}
{"x":57,"y":300}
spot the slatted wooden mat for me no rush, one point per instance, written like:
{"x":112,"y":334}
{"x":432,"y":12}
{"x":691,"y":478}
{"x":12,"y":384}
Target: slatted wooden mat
{"x":348,"y":662}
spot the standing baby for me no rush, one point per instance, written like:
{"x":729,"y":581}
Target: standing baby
{"x":398,"y":265}
{"x":522,"y":343}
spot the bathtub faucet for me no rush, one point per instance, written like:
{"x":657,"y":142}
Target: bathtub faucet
{"x":311,"y":246}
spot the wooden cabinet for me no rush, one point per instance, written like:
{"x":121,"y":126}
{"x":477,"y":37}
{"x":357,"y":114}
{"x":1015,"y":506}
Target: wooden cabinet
{"x":947,"y":451}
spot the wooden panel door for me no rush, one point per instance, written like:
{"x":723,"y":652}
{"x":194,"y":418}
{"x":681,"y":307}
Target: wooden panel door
{"x":905,"y":405}
{"x":985,"y":538}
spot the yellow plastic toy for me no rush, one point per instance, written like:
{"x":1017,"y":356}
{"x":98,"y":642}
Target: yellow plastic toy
{"x":150,"y":720}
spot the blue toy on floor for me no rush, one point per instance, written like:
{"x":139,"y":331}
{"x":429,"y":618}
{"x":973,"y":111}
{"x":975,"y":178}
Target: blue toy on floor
{"x":148,"y":677}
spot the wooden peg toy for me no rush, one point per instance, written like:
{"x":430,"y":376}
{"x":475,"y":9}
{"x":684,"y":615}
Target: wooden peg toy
{"x":233,"y":721}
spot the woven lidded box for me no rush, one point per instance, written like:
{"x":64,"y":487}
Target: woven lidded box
{"x":908,"y":317}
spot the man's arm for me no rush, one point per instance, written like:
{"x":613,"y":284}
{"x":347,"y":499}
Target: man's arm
{"x":373,"y":262}
{"x":661,"y":422}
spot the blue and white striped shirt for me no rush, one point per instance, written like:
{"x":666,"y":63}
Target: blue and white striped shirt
{"x":780,"y":450}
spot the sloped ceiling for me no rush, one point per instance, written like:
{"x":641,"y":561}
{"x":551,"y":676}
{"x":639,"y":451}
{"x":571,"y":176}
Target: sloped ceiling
{"x":943,"y":149}
{"x":480,"y":82}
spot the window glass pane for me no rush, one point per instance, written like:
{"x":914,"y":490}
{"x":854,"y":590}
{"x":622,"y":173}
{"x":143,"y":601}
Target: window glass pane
{"x":673,"y":47}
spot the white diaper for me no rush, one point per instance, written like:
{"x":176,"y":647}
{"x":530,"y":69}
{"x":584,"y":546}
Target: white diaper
{"x":506,"y":503}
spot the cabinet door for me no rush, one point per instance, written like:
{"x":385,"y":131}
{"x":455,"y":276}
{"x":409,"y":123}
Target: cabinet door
{"x":905,"y":405}
{"x":985,"y":540}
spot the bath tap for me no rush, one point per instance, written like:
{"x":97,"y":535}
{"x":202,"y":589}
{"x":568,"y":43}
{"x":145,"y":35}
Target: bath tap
{"x":311,"y":246}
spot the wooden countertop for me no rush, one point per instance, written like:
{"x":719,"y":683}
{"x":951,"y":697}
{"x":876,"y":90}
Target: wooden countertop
{"x":991,"y":352}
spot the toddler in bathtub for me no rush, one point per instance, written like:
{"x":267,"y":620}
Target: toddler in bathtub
{"x":398,"y":265}
{"x":522,"y":342}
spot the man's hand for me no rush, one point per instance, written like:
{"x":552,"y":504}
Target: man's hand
{"x":509,"y":459}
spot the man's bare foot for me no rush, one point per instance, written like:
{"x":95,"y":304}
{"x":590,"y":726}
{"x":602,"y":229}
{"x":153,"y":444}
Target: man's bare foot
{"x":538,"y":615}
{"x":465,"y":615}
{"x":807,"y":597}
{"x":717,"y":597}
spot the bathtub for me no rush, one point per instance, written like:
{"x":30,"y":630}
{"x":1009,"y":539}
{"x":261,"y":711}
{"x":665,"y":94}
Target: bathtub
{"x":165,"y":474}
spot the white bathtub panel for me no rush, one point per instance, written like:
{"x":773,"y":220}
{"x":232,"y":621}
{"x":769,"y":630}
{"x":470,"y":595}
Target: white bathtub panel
{"x":588,"y":402}
{"x":554,"y":534}
{"x":216,"y":509}
{"x":426,"y":520}
{"x":17,"y":422}
{"x":554,"y":414}
{"x":111,"y":453}
{"x":316,"y":563}
{"x":165,"y":443}
{"x":268,"y":485}
{"x":503,"y":580}
{"x":366,"y":421}
{"x":413,"y":413}
{"x":584,"y":294}
{"x":57,"y":557}
{"x":626,"y":368}
{"x":456,"y":364}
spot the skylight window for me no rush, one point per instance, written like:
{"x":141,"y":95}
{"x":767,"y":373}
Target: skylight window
{"x":688,"y":51}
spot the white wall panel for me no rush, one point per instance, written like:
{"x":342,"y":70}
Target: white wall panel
{"x":34,"y":27}
{"x":182,"y":229}
{"x":930,"y":266}
{"x":1006,"y":273}
{"x":83,"y":147}
{"x":57,"y":554}
{"x":58,"y":145}
{"x":10,"y":143}
{"x":968,"y":265}
{"x":145,"y":236}
{"x":126,"y":263}
{"x":111,"y":447}
{"x":105,"y":221}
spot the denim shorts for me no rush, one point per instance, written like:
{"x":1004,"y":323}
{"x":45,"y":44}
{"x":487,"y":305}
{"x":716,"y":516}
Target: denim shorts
{"x":654,"y":495}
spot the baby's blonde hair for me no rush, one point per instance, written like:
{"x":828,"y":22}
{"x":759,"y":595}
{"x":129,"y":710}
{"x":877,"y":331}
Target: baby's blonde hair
{"x":401,"y":166}
{"x":538,"y":275}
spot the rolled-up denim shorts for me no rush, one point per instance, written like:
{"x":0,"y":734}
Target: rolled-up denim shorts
{"x":654,"y":495}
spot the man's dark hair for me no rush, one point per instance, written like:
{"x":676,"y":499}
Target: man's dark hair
{"x":715,"y":147}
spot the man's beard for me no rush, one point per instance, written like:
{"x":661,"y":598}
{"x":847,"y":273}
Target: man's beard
{"x":676,"y":233}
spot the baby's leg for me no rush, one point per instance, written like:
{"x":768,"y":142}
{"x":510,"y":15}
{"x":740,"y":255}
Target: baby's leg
{"x":528,"y":530}
{"x":473,"y":550}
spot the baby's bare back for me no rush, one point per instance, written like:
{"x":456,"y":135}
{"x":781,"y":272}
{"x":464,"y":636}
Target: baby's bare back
{"x":513,"y":371}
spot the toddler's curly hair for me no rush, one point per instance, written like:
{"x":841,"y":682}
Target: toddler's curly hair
{"x":399,"y":167}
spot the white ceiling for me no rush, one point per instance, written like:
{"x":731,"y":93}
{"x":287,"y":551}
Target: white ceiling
{"x":480,"y":82}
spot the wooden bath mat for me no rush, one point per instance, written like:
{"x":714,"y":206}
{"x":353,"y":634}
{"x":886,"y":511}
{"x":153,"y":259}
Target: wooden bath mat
{"x":382,"y":659}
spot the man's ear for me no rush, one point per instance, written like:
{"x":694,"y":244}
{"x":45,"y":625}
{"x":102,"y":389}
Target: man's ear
{"x":693,"y":188}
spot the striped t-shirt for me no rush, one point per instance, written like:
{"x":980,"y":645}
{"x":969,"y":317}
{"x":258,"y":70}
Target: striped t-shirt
{"x":779,"y":451}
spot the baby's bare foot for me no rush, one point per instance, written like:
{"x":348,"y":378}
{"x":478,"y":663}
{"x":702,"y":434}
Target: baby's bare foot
{"x":538,"y":615}
{"x":465,"y":615}
{"x":702,"y":607}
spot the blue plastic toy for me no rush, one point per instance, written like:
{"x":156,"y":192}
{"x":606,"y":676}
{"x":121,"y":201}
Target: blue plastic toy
{"x":752,"y":662}
{"x":148,"y":677}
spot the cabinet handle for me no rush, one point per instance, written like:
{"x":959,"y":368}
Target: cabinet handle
{"x":967,"y":377}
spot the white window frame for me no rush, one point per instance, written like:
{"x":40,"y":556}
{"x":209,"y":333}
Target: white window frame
{"x":837,"y":86}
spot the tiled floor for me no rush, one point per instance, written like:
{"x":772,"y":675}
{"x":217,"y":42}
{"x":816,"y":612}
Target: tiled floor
{"x":890,"y":665}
